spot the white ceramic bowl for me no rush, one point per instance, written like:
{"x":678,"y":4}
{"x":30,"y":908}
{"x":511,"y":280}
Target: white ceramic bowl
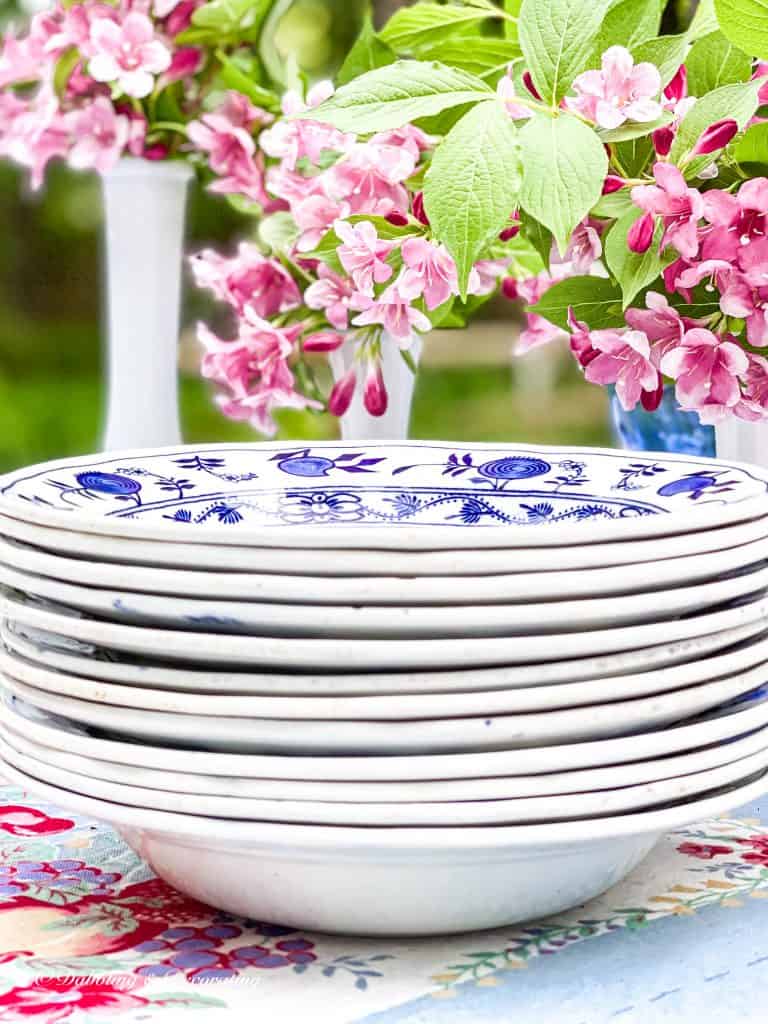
{"x":391,"y":881}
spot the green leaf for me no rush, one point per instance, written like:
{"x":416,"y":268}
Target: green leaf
{"x":564,"y":168}
{"x":240,"y":18}
{"x":738,"y":101}
{"x":614,"y":205}
{"x":628,"y":22}
{"x":411,"y":28}
{"x":539,"y":236}
{"x":745,"y":23}
{"x":512,"y":8}
{"x":704,"y":20}
{"x":558,"y":38}
{"x":472,"y":185}
{"x":715,"y":61}
{"x":635,"y":155}
{"x":65,"y":65}
{"x":666,"y":52}
{"x":367,"y":53}
{"x":479,"y":55}
{"x":635,"y":130}
{"x":278,"y":231}
{"x":235,"y":78}
{"x":595,"y":300}
{"x":752,"y":147}
{"x":401,"y":92}
{"x":633,"y":271}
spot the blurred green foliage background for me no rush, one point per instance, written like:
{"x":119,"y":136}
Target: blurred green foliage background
{"x":50,"y":295}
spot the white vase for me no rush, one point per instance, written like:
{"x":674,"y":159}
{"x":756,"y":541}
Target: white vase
{"x":742,"y":441}
{"x":144,"y":214}
{"x":357,"y":424}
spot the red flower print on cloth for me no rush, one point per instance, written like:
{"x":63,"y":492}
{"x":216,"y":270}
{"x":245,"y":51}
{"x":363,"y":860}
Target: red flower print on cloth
{"x":28,"y":821}
{"x":760,"y":853}
{"x":55,"y":999}
{"x":704,"y":851}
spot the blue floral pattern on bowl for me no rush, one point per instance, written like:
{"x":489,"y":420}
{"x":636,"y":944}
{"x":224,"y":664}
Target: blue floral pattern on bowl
{"x":378,"y":484}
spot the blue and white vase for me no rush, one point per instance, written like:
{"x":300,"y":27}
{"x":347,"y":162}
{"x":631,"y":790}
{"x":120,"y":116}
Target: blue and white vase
{"x":144,"y":216}
{"x":668,"y":429}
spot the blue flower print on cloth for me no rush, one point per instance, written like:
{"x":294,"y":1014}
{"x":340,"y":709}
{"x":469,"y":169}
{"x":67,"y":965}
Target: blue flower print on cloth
{"x":269,"y":485}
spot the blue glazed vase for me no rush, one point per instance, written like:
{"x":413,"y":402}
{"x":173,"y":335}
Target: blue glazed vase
{"x":668,"y":429}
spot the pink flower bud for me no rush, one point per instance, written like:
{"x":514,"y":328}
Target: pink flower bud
{"x":157,"y":151}
{"x":717,"y":136}
{"x":640,"y":234}
{"x":651,"y":400}
{"x":397,"y":218}
{"x":418,"y":209}
{"x":528,"y":83}
{"x":180,"y":17}
{"x":663,"y":139}
{"x":375,"y":394}
{"x":678,"y":87}
{"x":612,"y":183}
{"x":342,"y":393}
{"x":509,"y":288}
{"x":322,"y":341}
{"x":508,"y":233}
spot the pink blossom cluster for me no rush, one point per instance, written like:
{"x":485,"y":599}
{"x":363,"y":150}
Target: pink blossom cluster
{"x":89,"y":66}
{"x":380,"y":282}
{"x":721,"y":270}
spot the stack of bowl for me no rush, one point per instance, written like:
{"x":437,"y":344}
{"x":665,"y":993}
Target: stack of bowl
{"x":377,"y":689}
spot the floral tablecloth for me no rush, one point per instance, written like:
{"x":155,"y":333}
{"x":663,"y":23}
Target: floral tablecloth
{"x":89,"y":934}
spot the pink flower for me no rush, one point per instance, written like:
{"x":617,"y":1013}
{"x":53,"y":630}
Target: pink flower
{"x":736,"y":220}
{"x":505,"y":90}
{"x":331,"y":293}
{"x":680,"y":208}
{"x":128,"y":54}
{"x":584,"y":247}
{"x":369,"y":178}
{"x":394,"y":313}
{"x":418,"y":209}
{"x":18,"y":62}
{"x":621,"y":91}
{"x":660,"y":323}
{"x":410,"y":138}
{"x":363,"y":254}
{"x":101,"y":136}
{"x":429,"y":271}
{"x":254,"y":369}
{"x":623,"y":359}
{"x":247,"y":279}
{"x":314,"y":216}
{"x":180,"y":17}
{"x":290,"y":141}
{"x":323,"y":341}
{"x":706,"y":368}
{"x":754,"y":403}
{"x":716,"y":136}
{"x":226,"y":136}
{"x":538,"y":331}
{"x":484,"y":276}
{"x":37,"y":135}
